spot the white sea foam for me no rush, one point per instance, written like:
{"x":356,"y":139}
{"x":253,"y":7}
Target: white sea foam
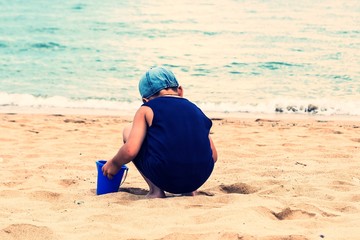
{"x":318,"y":107}
{"x":29,"y":101}
{"x":289,"y":106}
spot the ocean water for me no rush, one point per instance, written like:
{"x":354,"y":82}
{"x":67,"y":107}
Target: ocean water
{"x":257,"y":56}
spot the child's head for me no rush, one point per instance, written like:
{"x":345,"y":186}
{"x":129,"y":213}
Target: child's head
{"x":155,"y":80}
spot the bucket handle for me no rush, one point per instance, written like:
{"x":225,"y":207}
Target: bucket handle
{"x":125,"y":175}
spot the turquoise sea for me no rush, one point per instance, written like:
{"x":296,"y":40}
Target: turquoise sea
{"x":256,"y":56}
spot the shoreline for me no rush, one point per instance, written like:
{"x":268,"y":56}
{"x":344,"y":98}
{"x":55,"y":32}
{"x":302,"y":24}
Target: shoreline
{"x":213,"y":115}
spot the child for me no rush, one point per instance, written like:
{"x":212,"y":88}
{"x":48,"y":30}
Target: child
{"x":169,"y":140}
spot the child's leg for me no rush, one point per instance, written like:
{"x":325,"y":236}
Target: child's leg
{"x":154,"y":191}
{"x":126,"y":133}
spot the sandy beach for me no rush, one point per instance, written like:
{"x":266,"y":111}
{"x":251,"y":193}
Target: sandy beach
{"x":276,"y":178}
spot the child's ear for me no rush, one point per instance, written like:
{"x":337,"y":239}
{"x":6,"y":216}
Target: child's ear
{"x":145,"y":100}
{"x":180,"y":91}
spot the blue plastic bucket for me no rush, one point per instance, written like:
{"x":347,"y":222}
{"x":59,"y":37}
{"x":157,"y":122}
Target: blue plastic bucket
{"x":106,"y":185}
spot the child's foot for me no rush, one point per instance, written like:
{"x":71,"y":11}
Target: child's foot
{"x":156,"y":194}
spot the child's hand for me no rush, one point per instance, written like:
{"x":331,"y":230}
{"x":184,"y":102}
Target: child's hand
{"x":110,"y":169}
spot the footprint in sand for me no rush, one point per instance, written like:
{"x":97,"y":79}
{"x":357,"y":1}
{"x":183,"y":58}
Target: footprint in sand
{"x":289,"y":214}
{"x":67,"y":182}
{"x":26,"y":231}
{"x":240,"y":188}
{"x":11,"y":184}
{"x":46,"y":196}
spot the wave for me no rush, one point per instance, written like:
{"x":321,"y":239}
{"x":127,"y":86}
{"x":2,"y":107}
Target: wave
{"x":287,"y":106}
{"x":280,"y":106}
{"x":31,"y":101}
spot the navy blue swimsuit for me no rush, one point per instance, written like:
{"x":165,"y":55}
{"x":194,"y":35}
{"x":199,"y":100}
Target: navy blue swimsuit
{"x":176,"y":154}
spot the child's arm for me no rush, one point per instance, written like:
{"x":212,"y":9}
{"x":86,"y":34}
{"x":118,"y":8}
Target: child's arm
{"x":132,"y":146}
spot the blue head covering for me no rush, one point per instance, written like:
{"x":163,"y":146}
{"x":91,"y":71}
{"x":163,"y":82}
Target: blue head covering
{"x":156,"y":79}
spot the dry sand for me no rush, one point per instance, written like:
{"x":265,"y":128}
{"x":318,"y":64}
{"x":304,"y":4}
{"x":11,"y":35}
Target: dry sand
{"x":276,"y":178}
